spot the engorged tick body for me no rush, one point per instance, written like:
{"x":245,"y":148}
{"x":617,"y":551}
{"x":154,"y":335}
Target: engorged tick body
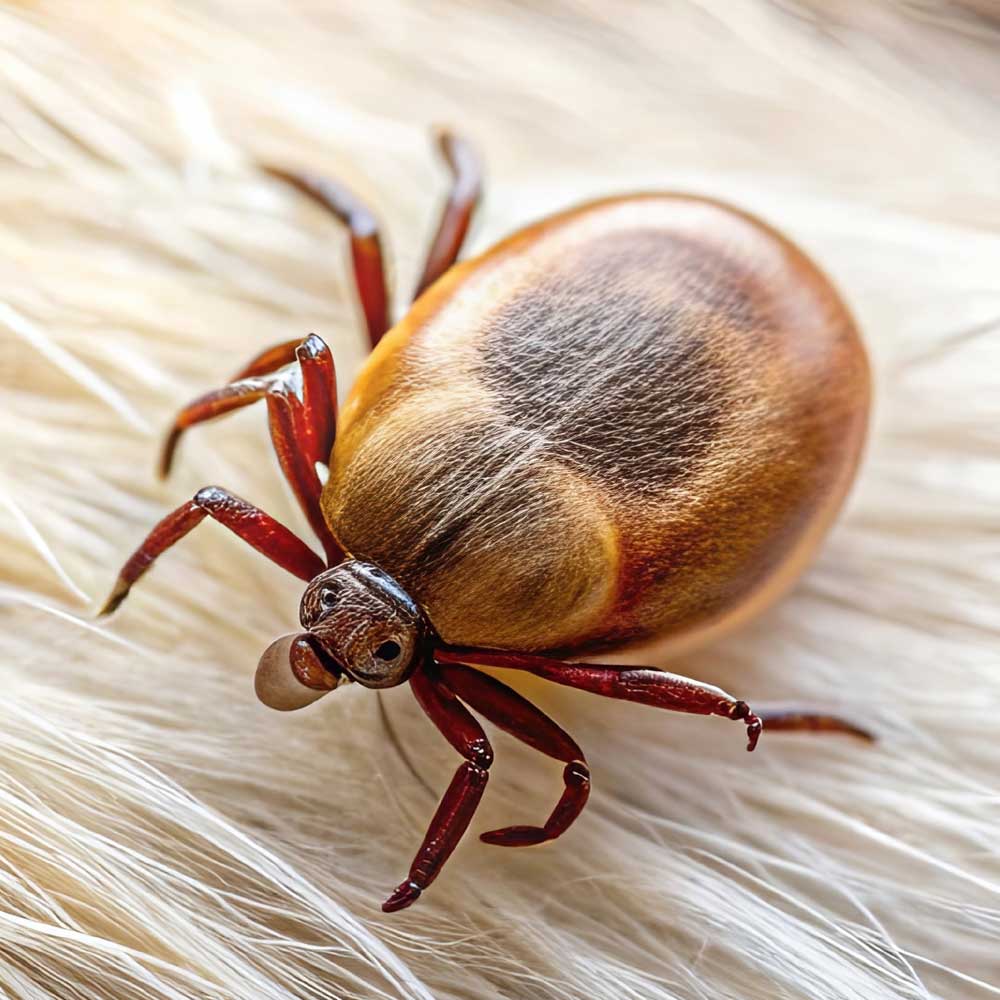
{"x":634,"y":420}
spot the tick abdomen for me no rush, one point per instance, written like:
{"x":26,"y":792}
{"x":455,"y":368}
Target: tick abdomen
{"x":633,"y":419}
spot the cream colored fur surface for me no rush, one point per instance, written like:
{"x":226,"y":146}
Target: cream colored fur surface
{"x":162,"y":835}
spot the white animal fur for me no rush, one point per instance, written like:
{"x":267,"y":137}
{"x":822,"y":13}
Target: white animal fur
{"x":161,"y":834}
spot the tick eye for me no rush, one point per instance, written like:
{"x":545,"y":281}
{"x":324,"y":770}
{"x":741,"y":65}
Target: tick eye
{"x":388,"y":650}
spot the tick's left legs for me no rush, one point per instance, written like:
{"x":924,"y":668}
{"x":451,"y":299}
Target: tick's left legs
{"x":507,"y":710}
{"x":466,"y":188}
{"x":642,"y":684}
{"x":456,"y":809}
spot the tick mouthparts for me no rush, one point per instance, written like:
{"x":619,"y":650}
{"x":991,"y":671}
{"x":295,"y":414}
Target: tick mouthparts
{"x":290,"y":674}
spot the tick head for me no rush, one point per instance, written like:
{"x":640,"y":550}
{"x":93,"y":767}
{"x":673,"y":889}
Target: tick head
{"x":365,"y":622}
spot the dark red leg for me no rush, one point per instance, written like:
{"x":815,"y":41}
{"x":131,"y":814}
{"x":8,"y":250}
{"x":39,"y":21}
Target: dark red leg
{"x":466,"y":187}
{"x":797,"y":719}
{"x":269,"y":360}
{"x":456,"y":809}
{"x":319,"y":395}
{"x":302,"y":414}
{"x":258,"y":529}
{"x":316,"y":380}
{"x":641,"y":684}
{"x":510,"y":712}
{"x":366,"y":246}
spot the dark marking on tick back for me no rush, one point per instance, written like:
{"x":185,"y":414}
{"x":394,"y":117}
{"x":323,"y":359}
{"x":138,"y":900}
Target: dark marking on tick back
{"x":613,"y":358}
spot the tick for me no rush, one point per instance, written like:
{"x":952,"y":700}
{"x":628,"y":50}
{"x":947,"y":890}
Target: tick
{"x":635,"y":419}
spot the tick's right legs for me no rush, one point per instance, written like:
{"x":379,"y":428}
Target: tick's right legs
{"x":366,"y":245}
{"x":509,"y":711}
{"x":458,"y":805}
{"x":644,"y":685}
{"x":302,"y":401}
{"x":466,"y":188}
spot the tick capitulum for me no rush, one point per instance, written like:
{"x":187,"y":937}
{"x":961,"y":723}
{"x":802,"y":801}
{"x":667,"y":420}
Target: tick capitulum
{"x":633,"y":420}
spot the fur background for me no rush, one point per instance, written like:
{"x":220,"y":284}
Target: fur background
{"x":162,"y":835}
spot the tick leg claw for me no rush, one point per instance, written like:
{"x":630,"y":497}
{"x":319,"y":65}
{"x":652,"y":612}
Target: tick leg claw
{"x":405,"y":895}
{"x":741,"y":710}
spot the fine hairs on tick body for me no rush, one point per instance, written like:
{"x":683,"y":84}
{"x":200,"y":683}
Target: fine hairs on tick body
{"x":633,"y":419}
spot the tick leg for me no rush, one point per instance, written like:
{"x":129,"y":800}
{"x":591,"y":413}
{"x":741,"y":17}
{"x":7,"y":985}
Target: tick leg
{"x":316,"y":380}
{"x":799,"y":719}
{"x":456,"y":809}
{"x":366,"y":245}
{"x":302,"y":415}
{"x":507,"y":710}
{"x":269,"y":360}
{"x":319,"y":396}
{"x":466,"y":188}
{"x":642,"y":684}
{"x":256,"y":528}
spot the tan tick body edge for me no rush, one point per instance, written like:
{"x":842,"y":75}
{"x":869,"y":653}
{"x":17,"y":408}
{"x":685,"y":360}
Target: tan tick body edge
{"x":633,"y":421}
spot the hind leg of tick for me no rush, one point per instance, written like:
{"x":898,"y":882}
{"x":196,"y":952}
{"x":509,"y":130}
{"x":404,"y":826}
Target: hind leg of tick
{"x":445,"y":685}
{"x":465,"y":171}
{"x":659,"y":689}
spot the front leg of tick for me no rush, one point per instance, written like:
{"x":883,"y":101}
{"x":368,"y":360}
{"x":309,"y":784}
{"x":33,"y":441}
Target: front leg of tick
{"x":459,"y":803}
